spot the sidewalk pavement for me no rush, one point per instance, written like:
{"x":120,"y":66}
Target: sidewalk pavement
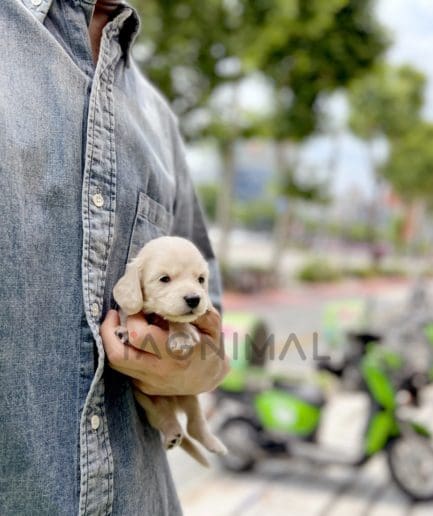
{"x":289,"y":487}
{"x":301,"y":294}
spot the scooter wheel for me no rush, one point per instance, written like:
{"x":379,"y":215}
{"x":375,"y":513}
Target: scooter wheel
{"x":410,"y":460}
{"x":240,"y":436}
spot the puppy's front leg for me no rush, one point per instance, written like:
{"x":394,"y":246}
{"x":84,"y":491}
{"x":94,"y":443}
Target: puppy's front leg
{"x":182,"y":337}
{"x":121,"y":331}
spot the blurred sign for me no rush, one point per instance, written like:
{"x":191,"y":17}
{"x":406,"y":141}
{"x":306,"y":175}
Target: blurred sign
{"x":251,"y":183}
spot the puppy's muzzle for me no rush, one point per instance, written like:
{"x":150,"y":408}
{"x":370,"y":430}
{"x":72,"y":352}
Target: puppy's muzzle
{"x":192,"y":300}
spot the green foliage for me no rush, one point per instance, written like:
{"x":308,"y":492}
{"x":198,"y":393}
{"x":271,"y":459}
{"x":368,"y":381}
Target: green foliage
{"x":410,"y":165}
{"x":186,"y":41}
{"x":194,"y":50}
{"x":257,"y":215}
{"x":208,"y":195}
{"x":318,"y":271}
{"x":329,"y":44}
{"x":356,"y":232}
{"x":304,"y":47}
{"x":291,"y":188}
{"x":371,"y":271}
{"x":386,"y":102}
{"x":247,"y":278}
{"x":360,"y":232}
{"x":321,"y":271}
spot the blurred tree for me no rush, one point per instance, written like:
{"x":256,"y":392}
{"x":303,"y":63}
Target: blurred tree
{"x":328,"y":45}
{"x":292,"y":190}
{"x":409,"y":169}
{"x":323,"y":53}
{"x":385,"y":104}
{"x":198,"y":51}
{"x":208,"y":194}
{"x":410,"y":165}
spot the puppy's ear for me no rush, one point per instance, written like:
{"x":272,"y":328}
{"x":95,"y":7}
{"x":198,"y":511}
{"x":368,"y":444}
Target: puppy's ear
{"x":127,"y":291}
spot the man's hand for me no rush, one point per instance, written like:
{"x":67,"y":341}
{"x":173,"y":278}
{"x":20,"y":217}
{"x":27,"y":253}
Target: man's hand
{"x":156,"y":370}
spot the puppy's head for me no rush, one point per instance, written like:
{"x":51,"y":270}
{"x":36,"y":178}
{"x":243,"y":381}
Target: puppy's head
{"x":168,"y":277}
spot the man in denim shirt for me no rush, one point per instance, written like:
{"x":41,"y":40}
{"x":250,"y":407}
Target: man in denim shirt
{"x":91,"y":168}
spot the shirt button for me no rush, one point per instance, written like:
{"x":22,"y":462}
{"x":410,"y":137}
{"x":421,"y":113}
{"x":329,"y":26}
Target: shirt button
{"x":98,"y":200}
{"x":36,"y":3}
{"x":94,"y":309}
{"x":95,"y":422}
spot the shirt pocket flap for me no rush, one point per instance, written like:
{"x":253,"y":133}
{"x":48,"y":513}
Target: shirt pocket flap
{"x":152,"y":220}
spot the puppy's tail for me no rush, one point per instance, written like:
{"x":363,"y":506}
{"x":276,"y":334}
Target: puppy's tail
{"x":190,"y":447}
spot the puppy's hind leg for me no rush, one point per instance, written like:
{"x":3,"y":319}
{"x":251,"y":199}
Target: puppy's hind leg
{"x":161,"y":413}
{"x":192,"y":449}
{"x":197,"y":425}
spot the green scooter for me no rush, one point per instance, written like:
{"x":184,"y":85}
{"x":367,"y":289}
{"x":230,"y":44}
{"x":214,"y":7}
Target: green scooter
{"x":281,"y":418}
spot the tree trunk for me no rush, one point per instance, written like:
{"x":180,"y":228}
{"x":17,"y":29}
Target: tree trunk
{"x":413,"y":222}
{"x":375,"y":249}
{"x":281,"y":231}
{"x":225,"y":201}
{"x":282,"y":222}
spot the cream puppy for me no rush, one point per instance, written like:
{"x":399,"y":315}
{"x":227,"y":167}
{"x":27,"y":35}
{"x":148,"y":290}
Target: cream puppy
{"x":169,"y":277}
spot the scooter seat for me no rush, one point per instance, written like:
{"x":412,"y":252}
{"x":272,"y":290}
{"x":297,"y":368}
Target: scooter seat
{"x":308,"y":393}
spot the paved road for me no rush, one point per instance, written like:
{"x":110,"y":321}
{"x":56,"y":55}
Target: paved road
{"x":293,"y":487}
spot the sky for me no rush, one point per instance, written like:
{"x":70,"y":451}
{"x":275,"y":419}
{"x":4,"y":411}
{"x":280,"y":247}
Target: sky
{"x":410,"y":23}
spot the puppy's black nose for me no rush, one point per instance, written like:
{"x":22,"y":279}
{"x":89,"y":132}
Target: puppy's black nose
{"x":192,"y":301}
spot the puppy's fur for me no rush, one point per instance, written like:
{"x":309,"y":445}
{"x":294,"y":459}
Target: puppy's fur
{"x":169,"y":277}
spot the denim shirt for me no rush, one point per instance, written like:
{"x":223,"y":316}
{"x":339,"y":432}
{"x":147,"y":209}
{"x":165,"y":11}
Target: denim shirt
{"x":91,"y":167}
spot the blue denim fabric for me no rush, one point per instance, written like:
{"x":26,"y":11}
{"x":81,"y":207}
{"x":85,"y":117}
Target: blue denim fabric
{"x":91,"y":167}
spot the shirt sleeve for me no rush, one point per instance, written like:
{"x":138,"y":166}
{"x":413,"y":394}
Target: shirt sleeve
{"x":189,"y":221}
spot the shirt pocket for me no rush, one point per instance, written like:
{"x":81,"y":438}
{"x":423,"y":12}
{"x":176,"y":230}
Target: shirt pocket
{"x":152,"y":220}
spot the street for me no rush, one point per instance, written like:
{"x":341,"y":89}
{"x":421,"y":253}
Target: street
{"x":291,"y":487}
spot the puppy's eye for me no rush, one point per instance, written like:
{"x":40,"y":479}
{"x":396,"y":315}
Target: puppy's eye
{"x":201,"y":279}
{"x":164,"y":279}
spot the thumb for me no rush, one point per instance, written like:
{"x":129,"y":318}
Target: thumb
{"x":112,"y":319}
{"x":209,"y":323}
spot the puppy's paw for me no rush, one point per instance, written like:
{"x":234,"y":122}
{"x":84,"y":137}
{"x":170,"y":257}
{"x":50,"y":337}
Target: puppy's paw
{"x":214,"y":445}
{"x":122,"y":334}
{"x":180,"y":344}
{"x":172,"y":440}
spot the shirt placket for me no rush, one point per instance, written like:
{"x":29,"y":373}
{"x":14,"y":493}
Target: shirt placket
{"x":98,"y":208}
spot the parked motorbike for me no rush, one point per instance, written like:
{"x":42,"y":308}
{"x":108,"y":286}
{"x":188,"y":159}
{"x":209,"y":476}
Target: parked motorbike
{"x":276,"y":417}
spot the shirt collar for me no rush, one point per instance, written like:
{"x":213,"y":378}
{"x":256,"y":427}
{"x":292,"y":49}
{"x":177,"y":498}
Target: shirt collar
{"x":126,"y":22}
{"x":39,"y":8}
